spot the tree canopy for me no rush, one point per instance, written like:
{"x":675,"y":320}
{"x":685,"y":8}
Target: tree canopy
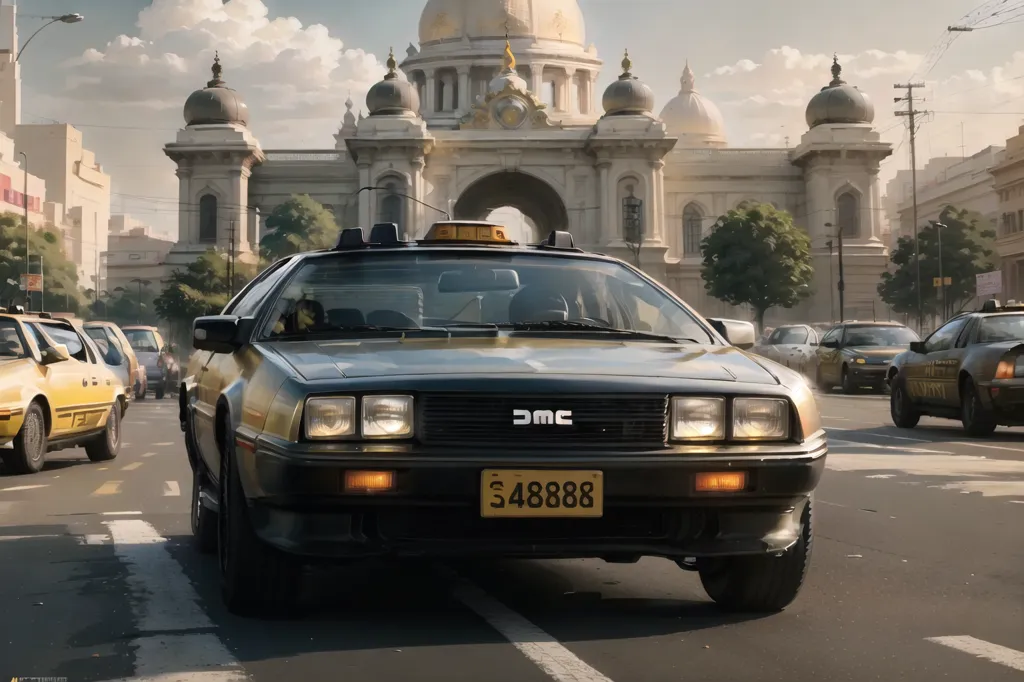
{"x":299,"y":224}
{"x":965,"y":253}
{"x":60,"y":276}
{"x":755,"y":255}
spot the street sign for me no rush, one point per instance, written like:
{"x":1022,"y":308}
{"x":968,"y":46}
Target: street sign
{"x":936,"y":282}
{"x":948,"y":281}
{"x":989,"y":283}
{"x":31,"y":282}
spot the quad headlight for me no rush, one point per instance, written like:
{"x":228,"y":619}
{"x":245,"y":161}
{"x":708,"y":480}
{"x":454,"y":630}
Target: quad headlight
{"x":380,"y":417}
{"x":704,"y":419}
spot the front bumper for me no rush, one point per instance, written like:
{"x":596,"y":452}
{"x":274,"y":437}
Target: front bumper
{"x":297,"y":502}
{"x":1006,"y":398}
{"x":868,"y":375}
{"x":11,"y":419}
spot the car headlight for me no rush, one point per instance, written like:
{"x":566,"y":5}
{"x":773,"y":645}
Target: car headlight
{"x":387,"y":416}
{"x":860,"y":361}
{"x":330,"y":417}
{"x":760,"y":419}
{"x":698,"y":418}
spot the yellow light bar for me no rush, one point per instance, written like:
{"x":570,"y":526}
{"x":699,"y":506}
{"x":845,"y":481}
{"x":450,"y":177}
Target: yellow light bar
{"x":468,"y":232}
{"x":725,"y":482}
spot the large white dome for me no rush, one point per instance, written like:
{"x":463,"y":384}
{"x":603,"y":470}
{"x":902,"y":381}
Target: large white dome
{"x":696,"y":121}
{"x":557,"y":20}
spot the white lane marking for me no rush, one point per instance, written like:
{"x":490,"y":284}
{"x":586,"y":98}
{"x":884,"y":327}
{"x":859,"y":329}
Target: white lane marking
{"x":986,"y":488}
{"x":988,"y":447}
{"x":171,"y":489}
{"x":121,"y":513}
{"x":893,"y":448}
{"x":162,"y":445}
{"x":131,"y":467}
{"x":23,"y":487}
{"x":148,"y":454}
{"x":94,"y":539}
{"x":163,"y":599}
{"x":1002,"y":655}
{"x":831,"y":504}
{"x":952,"y":466}
{"x":544,"y":650}
{"x":108,"y":488}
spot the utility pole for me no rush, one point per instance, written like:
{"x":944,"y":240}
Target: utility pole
{"x":231,"y":259}
{"x":911,"y":113}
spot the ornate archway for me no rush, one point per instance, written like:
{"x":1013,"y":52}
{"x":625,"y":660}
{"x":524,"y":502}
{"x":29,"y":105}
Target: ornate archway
{"x":531,"y":196}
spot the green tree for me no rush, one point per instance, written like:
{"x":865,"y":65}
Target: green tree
{"x":755,"y":255}
{"x":965,"y":253}
{"x":299,"y":224}
{"x":60,"y":276}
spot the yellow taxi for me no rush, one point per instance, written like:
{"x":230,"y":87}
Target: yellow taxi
{"x":55,"y":393}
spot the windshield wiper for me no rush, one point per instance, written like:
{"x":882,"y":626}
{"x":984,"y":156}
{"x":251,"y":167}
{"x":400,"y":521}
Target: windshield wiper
{"x":566,"y":325}
{"x":335,"y":331}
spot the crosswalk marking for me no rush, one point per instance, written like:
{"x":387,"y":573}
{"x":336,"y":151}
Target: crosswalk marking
{"x":171,"y":489}
{"x":148,"y":454}
{"x":108,"y":488}
{"x":162,"y":445}
{"x":1011,"y":658}
{"x":131,"y":467}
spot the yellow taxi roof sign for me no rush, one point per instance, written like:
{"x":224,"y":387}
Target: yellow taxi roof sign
{"x":468,"y":231}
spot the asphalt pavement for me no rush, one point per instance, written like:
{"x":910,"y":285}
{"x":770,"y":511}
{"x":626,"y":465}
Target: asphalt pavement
{"x":917,"y":575}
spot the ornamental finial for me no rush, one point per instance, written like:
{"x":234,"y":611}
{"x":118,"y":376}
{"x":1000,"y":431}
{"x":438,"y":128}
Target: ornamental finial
{"x":217,"y":70}
{"x":627,"y":64}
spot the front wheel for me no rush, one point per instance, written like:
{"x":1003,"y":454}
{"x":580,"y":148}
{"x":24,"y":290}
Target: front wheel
{"x":105,"y":446}
{"x":204,"y":521}
{"x":904,"y":413}
{"x":977,"y":419}
{"x":848,"y":386}
{"x":29,"y":452}
{"x":761,"y":583}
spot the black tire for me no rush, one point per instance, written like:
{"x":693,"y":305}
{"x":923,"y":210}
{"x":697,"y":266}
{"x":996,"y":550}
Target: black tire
{"x":158,"y":392}
{"x":255,"y":578}
{"x":760,"y":583}
{"x":904,"y":413}
{"x":848,"y":386}
{"x":204,"y":521}
{"x":978,"y":421}
{"x":106,"y":445}
{"x":29,"y":452}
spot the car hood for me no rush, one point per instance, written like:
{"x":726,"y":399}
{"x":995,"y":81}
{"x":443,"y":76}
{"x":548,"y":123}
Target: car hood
{"x":879,"y":352}
{"x":518,"y":356}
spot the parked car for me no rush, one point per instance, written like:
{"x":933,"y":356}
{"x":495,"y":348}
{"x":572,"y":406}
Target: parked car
{"x":119,"y":356}
{"x":856,"y":355}
{"x":153,"y":354}
{"x":791,"y":345}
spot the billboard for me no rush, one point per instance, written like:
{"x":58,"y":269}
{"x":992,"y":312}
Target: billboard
{"x":989,"y":283}
{"x":31,"y":282}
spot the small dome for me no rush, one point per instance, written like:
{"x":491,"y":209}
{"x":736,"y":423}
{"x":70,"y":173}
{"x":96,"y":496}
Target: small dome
{"x":392,"y":96}
{"x":692,"y":117}
{"x":839,"y":103}
{"x":216,"y":103}
{"x":508,"y":77}
{"x":628,"y":95}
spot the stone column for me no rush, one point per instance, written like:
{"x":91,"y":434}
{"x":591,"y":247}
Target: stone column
{"x":416,"y":226}
{"x":536,"y":78}
{"x":449,"y":92}
{"x":365,"y":198}
{"x":874,"y":206}
{"x":658,"y":201}
{"x":464,"y":94}
{"x":188,"y":221}
{"x":430,"y":101}
{"x":609,"y":213}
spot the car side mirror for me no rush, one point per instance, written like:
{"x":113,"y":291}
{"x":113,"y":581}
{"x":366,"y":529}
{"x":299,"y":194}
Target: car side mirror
{"x":830,"y":344}
{"x":918,"y":347}
{"x":55,"y":354}
{"x":736,"y":332}
{"x":220,"y":333}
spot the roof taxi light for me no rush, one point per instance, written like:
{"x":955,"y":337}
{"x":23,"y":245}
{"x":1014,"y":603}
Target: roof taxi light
{"x":468,"y":231}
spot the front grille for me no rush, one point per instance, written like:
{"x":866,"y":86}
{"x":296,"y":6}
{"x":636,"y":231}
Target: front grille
{"x":598,"y":421}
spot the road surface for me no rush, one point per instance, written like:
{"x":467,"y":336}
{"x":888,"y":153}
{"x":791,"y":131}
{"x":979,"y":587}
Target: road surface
{"x":918,"y":575}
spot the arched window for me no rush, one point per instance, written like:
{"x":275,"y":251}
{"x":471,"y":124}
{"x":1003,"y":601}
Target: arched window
{"x":848,"y":214}
{"x":208,"y":219}
{"x":391,"y":205}
{"x":439,"y":100}
{"x":693,"y":221}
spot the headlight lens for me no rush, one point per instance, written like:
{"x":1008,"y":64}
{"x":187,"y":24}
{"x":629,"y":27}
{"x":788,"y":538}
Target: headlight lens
{"x":387,"y":416}
{"x":859,"y":361}
{"x":698,"y":418}
{"x":760,"y":419}
{"x":330,"y":417}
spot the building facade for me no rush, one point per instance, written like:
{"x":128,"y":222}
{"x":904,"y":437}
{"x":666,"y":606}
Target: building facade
{"x":1008,"y":179}
{"x":495,"y":108}
{"x":135,"y":254}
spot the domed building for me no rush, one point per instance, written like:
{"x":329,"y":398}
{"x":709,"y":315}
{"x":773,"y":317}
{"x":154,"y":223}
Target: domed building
{"x":493,"y":107}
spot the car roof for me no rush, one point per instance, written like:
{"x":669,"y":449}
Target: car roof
{"x":140,"y":327}
{"x":869,"y":323}
{"x":421,"y":247}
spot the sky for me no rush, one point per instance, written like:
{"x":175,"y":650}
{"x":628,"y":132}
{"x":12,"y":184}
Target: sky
{"x":123,"y":74}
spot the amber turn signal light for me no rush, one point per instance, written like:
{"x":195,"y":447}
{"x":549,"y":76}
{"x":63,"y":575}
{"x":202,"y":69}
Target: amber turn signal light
{"x":726,"y":482}
{"x":369,"y":481}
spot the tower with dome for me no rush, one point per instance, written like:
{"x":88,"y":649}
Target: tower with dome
{"x":494,"y":107}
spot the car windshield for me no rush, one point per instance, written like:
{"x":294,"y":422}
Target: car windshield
{"x":408,"y":291}
{"x":999,"y":328}
{"x":10,"y":342}
{"x":142,"y":340}
{"x":108,"y":349}
{"x":879,"y":336}
{"x":790,"y":335}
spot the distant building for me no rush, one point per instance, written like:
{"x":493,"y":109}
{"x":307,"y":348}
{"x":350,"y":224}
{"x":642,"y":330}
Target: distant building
{"x":899,"y":192}
{"x":1008,"y":177}
{"x":12,"y":186}
{"x":135,"y":254}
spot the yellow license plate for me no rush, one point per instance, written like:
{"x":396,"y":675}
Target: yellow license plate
{"x":517,"y":494}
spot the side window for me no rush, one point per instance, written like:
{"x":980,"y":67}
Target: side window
{"x":832,"y":335}
{"x":250,"y":300}
{"x":944,"y":337}
{"x":70,"y":338}
{"x":773,"y":340}
{"x":967,"y":333}
{"x":793,"y":336}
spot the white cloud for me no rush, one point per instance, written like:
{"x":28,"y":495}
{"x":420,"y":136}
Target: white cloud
{"x":294,"y":78}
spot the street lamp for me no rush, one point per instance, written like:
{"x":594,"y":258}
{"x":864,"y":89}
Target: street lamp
{"x":141,"y":283}
{"x":831,"y":294}
{"x":632,"y":224}
{"x":28,"y":232}
{"x":64,"y":19}
{"x":841,"y":285}
{"x":942,"y":282}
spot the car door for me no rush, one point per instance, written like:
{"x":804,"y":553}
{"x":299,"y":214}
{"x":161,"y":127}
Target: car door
{"x":828,"y":357}
{"x":769,"y":349}
{"x":72,"y":385}
{"x":791,"y":346}
{"x":931,"y":380}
